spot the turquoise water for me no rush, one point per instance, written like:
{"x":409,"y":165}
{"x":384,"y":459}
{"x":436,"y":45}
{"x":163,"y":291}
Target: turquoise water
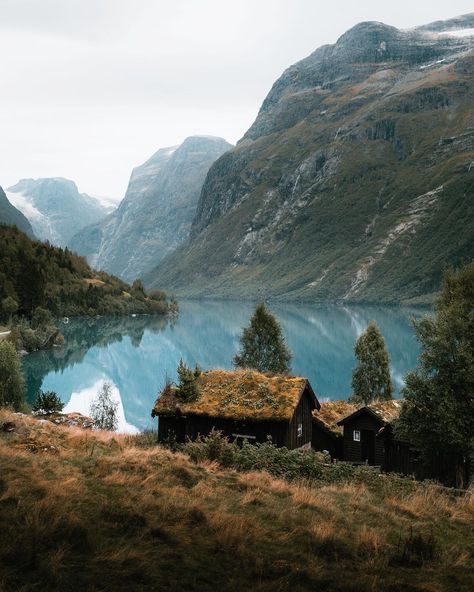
{"x":137,"y":354}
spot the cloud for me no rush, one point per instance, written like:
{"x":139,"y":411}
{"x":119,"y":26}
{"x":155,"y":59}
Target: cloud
{"x":91,"y":88}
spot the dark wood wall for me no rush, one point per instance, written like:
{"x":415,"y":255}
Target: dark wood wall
{"x":302,"y":415}
{"x":322,"y":440}
{"x":353,"y":449}
{"x":193,"y":426}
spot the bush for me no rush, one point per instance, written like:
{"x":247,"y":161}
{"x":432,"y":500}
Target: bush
{"x":11,"y":379}
{"x":283,"y":463}
{"x":47,"y":402}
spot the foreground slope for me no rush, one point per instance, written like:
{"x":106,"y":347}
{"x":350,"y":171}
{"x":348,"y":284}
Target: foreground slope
{"x":156,"y":213}
{"x":11,"y":216}
{"x":87,"y":510}
{"x":355,"y":182}
{"x":55,"y":208}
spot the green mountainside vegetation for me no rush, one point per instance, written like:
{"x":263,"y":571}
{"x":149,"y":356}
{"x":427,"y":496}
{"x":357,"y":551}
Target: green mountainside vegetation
{"x":35,"y":274}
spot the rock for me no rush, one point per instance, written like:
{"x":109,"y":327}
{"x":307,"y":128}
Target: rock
{"x":8,"y":426}
{"x":345,"y":142}
{"x":156,"y":213}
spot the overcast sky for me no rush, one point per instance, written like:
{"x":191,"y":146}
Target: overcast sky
{"x":91,"y":88}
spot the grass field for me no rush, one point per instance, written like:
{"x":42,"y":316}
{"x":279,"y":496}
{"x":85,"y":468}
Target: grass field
{"x":82,"y":510}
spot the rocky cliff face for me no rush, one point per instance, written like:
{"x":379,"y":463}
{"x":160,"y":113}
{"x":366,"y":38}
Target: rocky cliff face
{"x":11,"y":216}
{"x":156,"y":213}
{"x":355,"y":182}
{"x":55,"y":208}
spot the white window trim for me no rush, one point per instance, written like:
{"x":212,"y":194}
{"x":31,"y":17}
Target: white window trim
{"x":299,"y":431}
{"x":356,"y":435}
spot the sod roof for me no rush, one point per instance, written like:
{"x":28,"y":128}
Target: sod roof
{"x":384,"y":411}
{"x":331,"y":413}
{"x":241,"y":394}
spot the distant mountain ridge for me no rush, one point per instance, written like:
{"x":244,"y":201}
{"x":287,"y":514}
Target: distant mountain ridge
{"x":354,"y":183}
{"x":156,"y":213}
{"x":11,"y":216}
{"x":55,"y":208}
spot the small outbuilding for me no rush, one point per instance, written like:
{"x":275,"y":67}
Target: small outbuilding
{"x":360,"y":429}
{"x":327,"y":433}
{"x":244,"y":405}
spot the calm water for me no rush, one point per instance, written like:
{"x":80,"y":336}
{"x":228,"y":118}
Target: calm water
{"x":137,"y":354}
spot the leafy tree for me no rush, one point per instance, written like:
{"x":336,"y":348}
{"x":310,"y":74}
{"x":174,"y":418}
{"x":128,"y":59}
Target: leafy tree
{"x":103,"y":409}
{"x":371,"y":377}
{"x":187,"y":389}
{"x":438,"y":411}
{"x":11,"y":378}
{"x":262,"y":345}
{"x":47,"y":402}
{"x":9,"y":308}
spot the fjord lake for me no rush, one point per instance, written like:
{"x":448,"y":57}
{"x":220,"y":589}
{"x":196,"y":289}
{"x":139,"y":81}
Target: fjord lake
{"x":138,"y":354}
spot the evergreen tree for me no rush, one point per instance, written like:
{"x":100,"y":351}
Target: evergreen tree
{"x":187,"y":388}
{"x":103,"y":409}
{"x":371,"y":377}
{"x":262,"y":345}
{"x":438,"y":411}
{"x":11,"y":379}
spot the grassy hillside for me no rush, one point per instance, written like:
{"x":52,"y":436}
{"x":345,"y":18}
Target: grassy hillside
{"x":36,"y":274}
{"x":85,"y":510}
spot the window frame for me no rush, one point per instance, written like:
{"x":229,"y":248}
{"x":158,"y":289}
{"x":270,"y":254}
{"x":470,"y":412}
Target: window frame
{"x":299,"y":431}
{"x":356,"y":435}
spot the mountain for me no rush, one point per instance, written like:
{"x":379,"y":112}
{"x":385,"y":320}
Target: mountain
{"x":355,"y":182}
{"x":156,"y":213}
{"x":11,"y":216}
{"x":55,"y":208}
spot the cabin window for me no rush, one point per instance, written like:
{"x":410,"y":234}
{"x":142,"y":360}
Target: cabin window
{"x":356,"y":434}
{"x":299,"y":431}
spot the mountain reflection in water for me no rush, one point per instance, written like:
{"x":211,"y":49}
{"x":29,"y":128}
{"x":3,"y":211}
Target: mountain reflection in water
{"x":137,"y":354}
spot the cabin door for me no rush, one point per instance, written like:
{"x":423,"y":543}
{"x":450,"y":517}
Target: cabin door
{"x":368,"y":446}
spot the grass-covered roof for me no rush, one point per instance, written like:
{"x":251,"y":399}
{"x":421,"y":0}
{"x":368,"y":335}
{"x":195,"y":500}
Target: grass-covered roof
{"x":384,"y":411}
{"x":241,"y":394}
{"x":333,"y":414}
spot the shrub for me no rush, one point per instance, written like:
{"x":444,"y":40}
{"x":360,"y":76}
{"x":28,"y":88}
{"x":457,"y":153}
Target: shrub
{"x":187,"y":388}
{"x":47,"y":402}
{"x":11,"y":378}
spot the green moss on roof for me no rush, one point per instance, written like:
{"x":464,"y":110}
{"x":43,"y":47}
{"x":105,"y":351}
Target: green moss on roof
{"x":242,"y":394}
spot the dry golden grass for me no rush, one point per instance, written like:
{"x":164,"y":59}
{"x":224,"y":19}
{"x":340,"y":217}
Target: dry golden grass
{"x":100,"y":512}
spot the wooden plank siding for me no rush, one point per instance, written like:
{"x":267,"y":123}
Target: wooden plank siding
{"x":302,"y":415}
{"x":352,"y":448}
{"x":322,"y":439}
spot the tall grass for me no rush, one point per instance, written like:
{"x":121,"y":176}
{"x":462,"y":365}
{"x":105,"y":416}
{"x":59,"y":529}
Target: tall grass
{"x":104,"y":512}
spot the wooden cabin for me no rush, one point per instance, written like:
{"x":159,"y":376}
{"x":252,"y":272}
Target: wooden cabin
{"x":360,"y":429}
{"x":244,"y":405}
{"x":327,"y":434}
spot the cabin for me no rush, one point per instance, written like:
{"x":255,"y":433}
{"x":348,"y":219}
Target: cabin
{"x":360,"y":429}
{"x":404,"y":458}
{"x":244,"y":405}
{"x":327,"y":434}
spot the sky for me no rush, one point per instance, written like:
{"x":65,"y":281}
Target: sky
{"x":91,"y":88}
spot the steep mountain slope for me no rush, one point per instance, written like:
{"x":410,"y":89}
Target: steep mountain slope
{"x":156,"y":213}
{"x":55,"y":208}
{"x":355,"y":182}
{"x":11,"y":216}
